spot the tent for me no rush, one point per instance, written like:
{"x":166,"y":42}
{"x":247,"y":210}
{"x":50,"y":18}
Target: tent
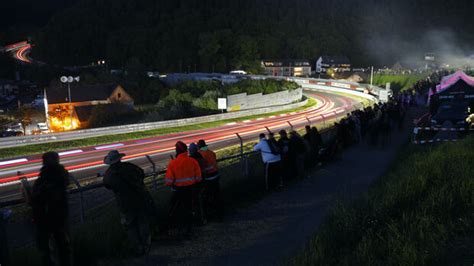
{"x":458,"y":83}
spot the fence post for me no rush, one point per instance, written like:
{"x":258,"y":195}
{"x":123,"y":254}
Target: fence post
{"x":415,"y":134}
{"x":309,"y":121}
{"x":155,"y":187}
{"x":269,"y":131}
{"x":241,"y":144}
{"x":81,"y":197}
{"x":289,"y":123}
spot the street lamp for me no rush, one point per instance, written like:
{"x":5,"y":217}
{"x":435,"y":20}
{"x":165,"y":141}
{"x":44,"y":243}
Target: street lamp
{"x":69,"y":80}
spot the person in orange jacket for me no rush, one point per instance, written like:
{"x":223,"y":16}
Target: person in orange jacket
{"x":181,"y":175}
{"x":211,"y":180}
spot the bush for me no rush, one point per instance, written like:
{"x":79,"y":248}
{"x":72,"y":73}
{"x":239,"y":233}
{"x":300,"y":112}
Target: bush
{"x":412,"y":216}
{"x":107,"y":114}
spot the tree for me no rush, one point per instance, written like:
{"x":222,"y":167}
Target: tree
{"x":24,"y":115}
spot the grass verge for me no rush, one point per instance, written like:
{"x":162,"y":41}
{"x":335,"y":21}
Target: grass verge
{"x":62,"y":145}
{"x":398,"y":82}
{"x":419,"y":213}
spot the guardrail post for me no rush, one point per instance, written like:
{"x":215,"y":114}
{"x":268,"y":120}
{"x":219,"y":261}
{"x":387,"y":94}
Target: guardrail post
{"x":241,"y":144}
{"x":81,"y":197}
{"x":153,"y":165}
{"x":415,"y":134}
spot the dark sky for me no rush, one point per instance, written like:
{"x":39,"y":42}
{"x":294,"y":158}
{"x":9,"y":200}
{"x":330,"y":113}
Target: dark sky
{"x":30,"y":12}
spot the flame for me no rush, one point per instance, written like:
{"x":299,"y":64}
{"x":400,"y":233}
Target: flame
{"x":64,"y":125}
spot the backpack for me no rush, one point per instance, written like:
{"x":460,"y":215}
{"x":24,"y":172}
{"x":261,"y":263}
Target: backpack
{"x":273,"y":145}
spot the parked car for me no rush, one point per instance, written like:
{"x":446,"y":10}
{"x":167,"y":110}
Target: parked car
{"x":43,"y":128}
{"x":456,"y":114}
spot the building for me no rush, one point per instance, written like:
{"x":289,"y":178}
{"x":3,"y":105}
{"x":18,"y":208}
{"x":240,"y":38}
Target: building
{"x":63,"y":115}
{"x":8,"y":88}
{"x":287,"y":68}
{"x":337,"y":63}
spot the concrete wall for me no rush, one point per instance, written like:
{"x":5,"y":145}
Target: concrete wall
{"x":243,"y":101}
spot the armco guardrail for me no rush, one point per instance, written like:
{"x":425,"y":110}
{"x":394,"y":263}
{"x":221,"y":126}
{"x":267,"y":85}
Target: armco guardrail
{"x":94,"y":132}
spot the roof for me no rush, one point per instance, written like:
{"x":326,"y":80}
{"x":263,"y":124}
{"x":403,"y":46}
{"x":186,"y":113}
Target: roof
{"x":84,"y":112}
{"x":338,"y":60}
{"x":81,"y":93}
{"x":286,"y":63}
{"x":459,"y":78}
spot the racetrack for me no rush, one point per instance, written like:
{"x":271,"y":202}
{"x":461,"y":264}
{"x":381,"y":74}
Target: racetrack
{"x":85,"y":163}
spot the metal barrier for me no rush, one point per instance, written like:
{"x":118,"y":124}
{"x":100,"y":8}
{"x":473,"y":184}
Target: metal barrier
{"x":417,"y":131}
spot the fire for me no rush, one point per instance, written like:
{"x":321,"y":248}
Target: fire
{"x":64,"y":125}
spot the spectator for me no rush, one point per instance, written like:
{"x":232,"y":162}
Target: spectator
{"x":199,"y":187}
{"x":212,"y":181}
{"x":287,"y":161}
{"x":271,"y":160}
{"x":50,"y":209}
{"x":307,"y":135}
{"x":134,"y":201}
{"x":316,"y":142}
{"x":182,"y":175}
{"x":298,"y":149}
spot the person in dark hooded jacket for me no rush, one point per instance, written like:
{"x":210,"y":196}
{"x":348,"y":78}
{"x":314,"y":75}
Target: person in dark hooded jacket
{"x":50,"y":209}
{"x":133,"y":199}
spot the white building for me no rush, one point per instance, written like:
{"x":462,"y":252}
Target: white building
{"x":338,"y":63}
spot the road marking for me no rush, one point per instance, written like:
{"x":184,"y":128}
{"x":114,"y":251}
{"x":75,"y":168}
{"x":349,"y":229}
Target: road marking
{"x":69,"y":152}
{"x":247,"y":121}
{"x":272,"y":116}
{"x":231,"y":124}
{"x":283,"y":114}
{"x":109,"y":146}
{"x":260,"y":119}
{"x":13,"y":161}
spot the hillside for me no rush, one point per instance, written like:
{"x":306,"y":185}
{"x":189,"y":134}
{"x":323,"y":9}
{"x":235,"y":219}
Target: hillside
{"x":207,"y":35}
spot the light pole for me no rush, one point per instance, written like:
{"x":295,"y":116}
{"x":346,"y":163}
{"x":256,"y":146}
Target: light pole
{"x":69,"y":80}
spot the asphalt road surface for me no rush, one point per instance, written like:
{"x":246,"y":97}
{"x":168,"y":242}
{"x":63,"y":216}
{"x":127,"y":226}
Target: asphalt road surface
{"x":86,"y":163}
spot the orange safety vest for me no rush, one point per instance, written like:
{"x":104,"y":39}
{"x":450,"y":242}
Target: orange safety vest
{"x":211,"y":162}
{"x":183,"y":171}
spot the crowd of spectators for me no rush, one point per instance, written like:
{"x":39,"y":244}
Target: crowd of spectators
{"x":193,"y":178}
{"x":289,"y":156}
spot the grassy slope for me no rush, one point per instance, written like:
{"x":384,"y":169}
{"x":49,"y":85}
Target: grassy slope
{"x":398,"y":82}
{"x":40,"y":148}
{"x":420,"y":212}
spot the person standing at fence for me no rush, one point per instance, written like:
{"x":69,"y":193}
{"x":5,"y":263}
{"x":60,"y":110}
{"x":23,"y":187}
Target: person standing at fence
{"x":49,"y":202}
{"x":133,"y":199}
{"x":298,"y":150}
{"x":271,"y":159}
{"x":182,"y":175}
{"x":200,"y":215}
{"x":211,"y":180}
{"x":287,"y":161}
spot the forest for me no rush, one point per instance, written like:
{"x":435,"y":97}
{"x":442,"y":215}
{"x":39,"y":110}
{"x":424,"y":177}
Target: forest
{"x":213,"y":35}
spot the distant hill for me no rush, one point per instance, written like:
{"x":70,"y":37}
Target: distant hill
{"x":215,"y":35}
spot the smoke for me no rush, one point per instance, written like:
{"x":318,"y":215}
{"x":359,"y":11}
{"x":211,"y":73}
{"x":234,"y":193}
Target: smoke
{"x":445,"y":44}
